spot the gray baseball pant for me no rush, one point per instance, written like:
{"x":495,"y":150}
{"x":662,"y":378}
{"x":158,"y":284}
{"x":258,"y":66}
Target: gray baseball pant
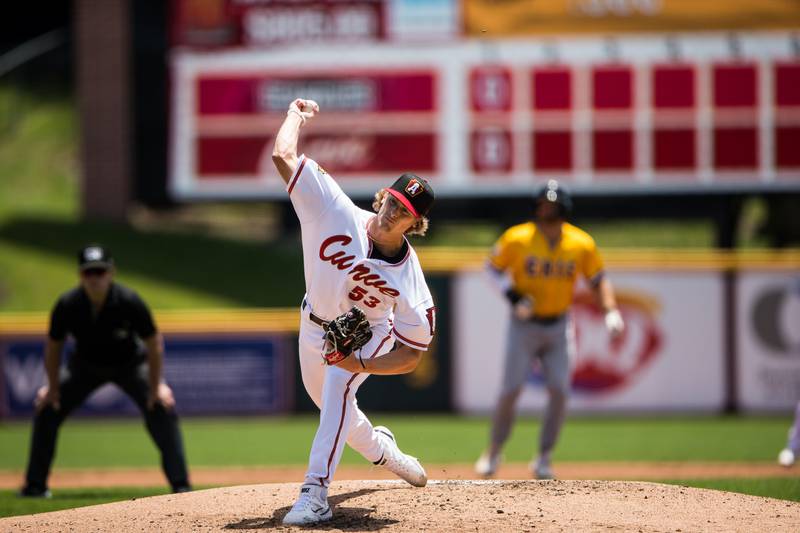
{"x":794,"y":432}
{"x":554,"y":346}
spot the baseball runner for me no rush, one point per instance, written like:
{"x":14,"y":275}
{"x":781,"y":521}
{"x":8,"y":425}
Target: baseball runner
{"x":116,"y":341}
{"x":535,"y":266}
{"x":787,"y":456}
{"x":367,"y":308}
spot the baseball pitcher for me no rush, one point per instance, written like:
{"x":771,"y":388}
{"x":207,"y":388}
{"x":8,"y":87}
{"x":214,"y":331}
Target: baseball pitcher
{"x":535,"y":266}
{"x":367,"y":308}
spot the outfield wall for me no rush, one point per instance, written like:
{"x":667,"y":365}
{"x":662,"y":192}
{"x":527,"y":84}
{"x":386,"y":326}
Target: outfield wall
{"x":707,"y":331}
{"x":209,"y":375}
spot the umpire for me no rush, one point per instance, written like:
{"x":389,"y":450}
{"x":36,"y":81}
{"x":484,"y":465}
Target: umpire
{"x":115,"y":341}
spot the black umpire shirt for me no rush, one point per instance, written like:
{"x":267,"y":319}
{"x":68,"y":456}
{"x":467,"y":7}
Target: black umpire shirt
{"x":112,"y":337}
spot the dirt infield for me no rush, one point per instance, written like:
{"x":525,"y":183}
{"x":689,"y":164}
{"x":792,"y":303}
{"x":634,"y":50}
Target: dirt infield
{"x":442,"y":506}
{"x":153,"y":477}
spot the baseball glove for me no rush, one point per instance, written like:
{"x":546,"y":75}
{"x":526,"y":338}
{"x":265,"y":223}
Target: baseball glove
{"x":345,"y":334}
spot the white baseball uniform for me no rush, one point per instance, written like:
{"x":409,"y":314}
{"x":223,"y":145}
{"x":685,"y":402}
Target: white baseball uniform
{"x":340,"y":273}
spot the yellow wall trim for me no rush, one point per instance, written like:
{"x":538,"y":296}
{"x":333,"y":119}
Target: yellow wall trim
{"x":446,"y":259}
{"x":220,"y":321}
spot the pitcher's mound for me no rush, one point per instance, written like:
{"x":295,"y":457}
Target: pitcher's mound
{"x":441,"y":506}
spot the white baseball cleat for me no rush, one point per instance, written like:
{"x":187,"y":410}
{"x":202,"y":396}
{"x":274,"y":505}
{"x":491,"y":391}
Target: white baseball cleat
{"x":399,"y":463}
{"x":487,"y":464}
{"x":311,"y":507}
{"x":541,"y":469}
{"x":786,"y":457}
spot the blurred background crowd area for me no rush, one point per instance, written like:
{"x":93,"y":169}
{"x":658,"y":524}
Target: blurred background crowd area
{"x":147,"y":125}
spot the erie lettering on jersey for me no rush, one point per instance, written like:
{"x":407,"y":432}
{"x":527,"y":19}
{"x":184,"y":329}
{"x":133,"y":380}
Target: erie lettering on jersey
{"x":542,"y":267}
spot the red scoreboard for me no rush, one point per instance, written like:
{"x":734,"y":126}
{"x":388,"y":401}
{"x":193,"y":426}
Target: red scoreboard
{"x":497,"y":117}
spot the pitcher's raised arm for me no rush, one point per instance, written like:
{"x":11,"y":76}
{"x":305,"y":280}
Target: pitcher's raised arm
{"x":284,"y":154}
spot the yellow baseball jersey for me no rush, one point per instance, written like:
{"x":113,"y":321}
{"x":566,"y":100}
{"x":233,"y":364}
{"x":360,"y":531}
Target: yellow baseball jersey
{"x":546,"y":274}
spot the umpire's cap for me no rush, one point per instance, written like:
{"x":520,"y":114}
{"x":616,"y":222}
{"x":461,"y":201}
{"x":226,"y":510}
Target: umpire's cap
{"x":552,"y":191}
{"x":94,"y":256}
{"x":415,"y":193}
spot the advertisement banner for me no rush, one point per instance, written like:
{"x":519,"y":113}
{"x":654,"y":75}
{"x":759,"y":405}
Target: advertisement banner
{"x":208,"y":376}
{"x":634,"y":114}
{"x":559,"y":17}
{"x":670,"y":357}
{"x":262,"y":23}
{"x":768,"y":340}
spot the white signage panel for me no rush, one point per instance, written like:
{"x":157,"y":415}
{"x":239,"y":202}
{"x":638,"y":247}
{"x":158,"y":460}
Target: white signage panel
{"x":670,"y":357}
{"x":768,"y":340}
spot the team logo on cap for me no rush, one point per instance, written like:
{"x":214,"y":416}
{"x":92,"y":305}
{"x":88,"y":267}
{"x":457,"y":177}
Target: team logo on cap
{"x":414,"y":187}
{"x":93,"y":254}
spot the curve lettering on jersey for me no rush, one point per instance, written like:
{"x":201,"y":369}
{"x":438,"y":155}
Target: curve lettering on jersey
{"x":361,"y":273}
{"x":337,"y":259}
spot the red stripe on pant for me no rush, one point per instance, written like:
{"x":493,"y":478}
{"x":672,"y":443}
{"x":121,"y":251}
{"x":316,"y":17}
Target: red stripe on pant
{"x":344,"y":407}
{"x":338,"y":431}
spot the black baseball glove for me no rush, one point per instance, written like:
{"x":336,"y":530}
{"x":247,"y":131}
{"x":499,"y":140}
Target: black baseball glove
{"x":345,"y":334}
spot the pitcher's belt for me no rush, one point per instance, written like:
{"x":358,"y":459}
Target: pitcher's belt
{"x":314,"y":318}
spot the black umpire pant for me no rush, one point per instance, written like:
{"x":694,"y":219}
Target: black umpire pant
{"x":77,"y":383}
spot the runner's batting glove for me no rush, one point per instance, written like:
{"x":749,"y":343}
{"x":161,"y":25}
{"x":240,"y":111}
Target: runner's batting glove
{"x":521,"y":306}
{"x":304,"y":109}
{"x":345,"y":334}
{"x":614,"y":323}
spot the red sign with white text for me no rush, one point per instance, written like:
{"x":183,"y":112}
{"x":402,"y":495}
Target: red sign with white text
{"x":259,"y":23}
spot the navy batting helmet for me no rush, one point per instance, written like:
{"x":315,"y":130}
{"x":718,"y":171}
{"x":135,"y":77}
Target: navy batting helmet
{"x":552,"y":191}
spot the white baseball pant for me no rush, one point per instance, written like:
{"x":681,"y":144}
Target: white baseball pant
{"x":333,"y":390}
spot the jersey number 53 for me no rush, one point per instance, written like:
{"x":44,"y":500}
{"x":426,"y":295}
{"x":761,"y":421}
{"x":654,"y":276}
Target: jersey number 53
{"x":358,"y":293}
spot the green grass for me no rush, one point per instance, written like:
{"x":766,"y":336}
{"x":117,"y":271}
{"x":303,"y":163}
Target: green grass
{"x":651,"y":234}
{"x":781,"y":488}
{"x":170,"y":270}
{"x":614,"y":234}
{"x":38,"y":154}
{"x":11,"y":505}
{"x":674,"y":439}
{"x":439,"y":439}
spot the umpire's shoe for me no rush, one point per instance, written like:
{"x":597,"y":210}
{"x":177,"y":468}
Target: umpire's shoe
{"x":397,"y":462}
{"x":33,"y":492}
{"x":311,"y":507}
